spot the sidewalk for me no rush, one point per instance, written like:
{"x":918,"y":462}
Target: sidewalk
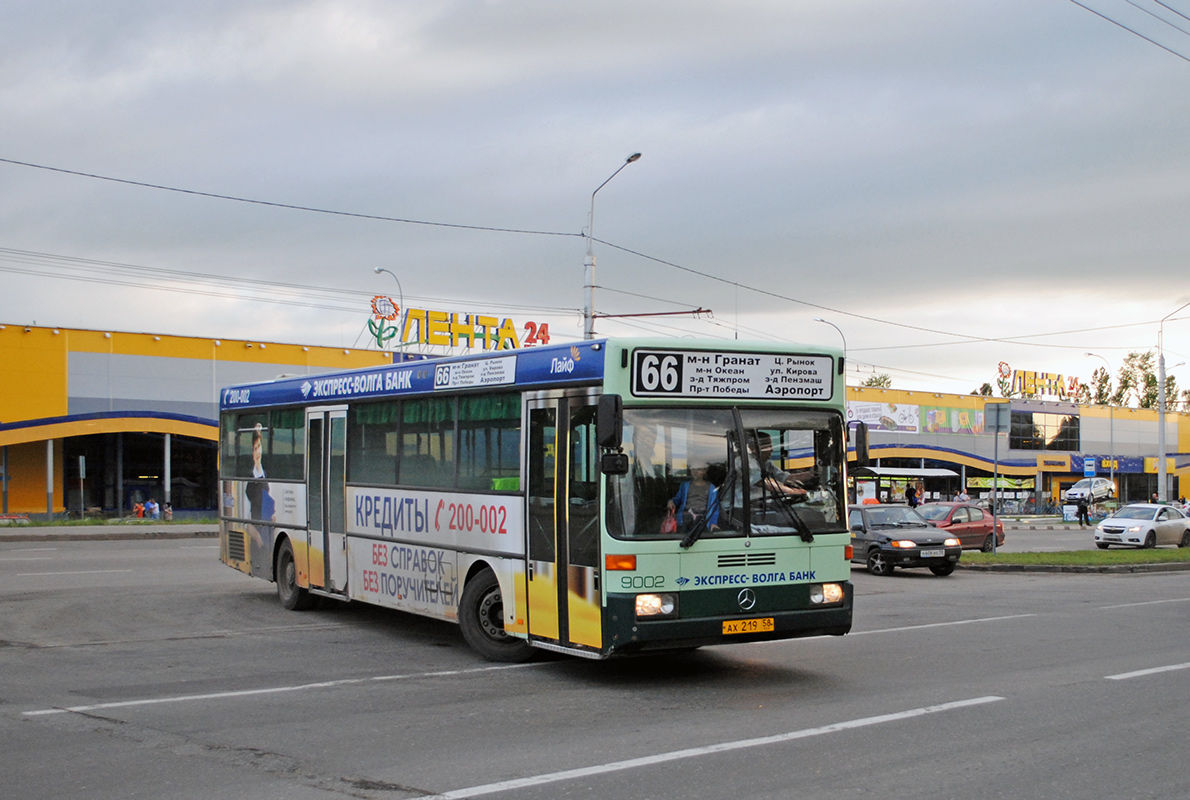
{"x":151,"y":529}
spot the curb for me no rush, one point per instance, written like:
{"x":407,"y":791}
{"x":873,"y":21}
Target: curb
{"x":1122,"y":569}
{"x":103,"y":537}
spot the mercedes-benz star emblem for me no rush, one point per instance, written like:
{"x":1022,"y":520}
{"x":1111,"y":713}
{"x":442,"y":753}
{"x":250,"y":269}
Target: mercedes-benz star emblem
{"x":747,"y":599}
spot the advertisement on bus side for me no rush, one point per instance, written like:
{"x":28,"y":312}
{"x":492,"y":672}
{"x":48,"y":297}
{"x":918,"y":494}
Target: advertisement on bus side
{"x":487,"y":523}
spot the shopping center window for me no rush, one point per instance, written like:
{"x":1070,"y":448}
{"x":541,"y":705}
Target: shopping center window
{"x":1031,"y":430}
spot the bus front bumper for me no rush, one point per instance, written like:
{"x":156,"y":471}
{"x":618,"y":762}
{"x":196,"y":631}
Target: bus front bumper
{"x":779,"y":613}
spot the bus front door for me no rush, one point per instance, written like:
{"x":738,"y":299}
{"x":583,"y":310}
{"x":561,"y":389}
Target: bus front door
{"x":326,"y":488}
{"x":564,"y":603}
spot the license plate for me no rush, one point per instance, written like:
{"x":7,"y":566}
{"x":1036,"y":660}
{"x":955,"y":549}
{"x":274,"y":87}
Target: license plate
{"x":763,"y":625}
{"x":933,"y":553}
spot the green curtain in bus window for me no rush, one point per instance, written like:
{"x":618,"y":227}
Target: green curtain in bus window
{"x":428,"y":443}
{"x":286,"y":458}
{"x":490,"y":442}
{"x":372,"y":431}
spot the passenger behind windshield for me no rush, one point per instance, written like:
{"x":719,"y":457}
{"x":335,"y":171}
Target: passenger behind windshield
{"x":696,"y":505}
{"x":668,"y":448}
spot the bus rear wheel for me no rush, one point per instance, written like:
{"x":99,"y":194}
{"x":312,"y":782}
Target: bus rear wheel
{"x":292,"y":596}
{"x":481,"y":616}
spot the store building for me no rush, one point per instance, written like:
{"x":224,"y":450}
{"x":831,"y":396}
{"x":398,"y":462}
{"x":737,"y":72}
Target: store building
{"x":95,"y":421}
{"x":92,"y":422}
{"x":1049,"y":446}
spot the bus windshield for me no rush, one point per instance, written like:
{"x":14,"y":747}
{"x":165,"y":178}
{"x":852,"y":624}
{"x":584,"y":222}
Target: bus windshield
{"x":688,"y":469}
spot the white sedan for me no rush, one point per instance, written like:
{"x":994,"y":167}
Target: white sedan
{"x":1144,"y":525}
{"x":1093,"y":489}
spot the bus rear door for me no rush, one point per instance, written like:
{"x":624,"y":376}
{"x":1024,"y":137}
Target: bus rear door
{"x":326,"y":481}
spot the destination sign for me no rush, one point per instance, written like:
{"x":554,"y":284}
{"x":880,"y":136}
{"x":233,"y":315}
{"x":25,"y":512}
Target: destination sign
{"x":750,"y":376}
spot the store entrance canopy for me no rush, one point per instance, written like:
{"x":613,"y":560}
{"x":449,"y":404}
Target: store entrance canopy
{"x":894,"y":472}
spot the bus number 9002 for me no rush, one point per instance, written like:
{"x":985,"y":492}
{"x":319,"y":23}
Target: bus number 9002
{"x":657,"y":373}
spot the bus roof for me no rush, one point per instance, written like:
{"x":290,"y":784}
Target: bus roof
{"x":555,"y":365}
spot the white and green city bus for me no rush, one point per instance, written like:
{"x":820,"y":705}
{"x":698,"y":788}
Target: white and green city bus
{"x":602,"y":498}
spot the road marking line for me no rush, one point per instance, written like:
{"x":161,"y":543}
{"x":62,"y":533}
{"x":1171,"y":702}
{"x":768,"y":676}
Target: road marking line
{"x":693,"y":752}
{"x":78,"y":572}
{"x":1123,"y":676}
{"x":273,"y":690}
{"x":34,"y":558}
{"x":941,"y":624}
{"x":1147,"y":603}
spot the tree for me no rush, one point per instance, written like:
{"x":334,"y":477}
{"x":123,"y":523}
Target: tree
{"x":880,"y":380}
{"x":1101,"y":387}
{"x":1137,"y":383}
{"x":985,"y":390}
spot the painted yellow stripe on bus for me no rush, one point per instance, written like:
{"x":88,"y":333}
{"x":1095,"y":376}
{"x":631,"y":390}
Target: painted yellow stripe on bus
{"x":543,"y":601}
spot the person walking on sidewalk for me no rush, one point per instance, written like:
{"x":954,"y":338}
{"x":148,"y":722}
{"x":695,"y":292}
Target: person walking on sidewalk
{"x":1084,"y":516}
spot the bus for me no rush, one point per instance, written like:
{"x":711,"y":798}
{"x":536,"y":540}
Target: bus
{"x":609,"y":497}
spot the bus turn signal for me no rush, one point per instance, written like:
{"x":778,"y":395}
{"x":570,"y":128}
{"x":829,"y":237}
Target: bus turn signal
{"x":623,"y":563}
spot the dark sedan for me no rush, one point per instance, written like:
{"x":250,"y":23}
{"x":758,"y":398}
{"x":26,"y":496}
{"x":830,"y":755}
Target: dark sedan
{"x":970,"y":523}
{"x":884,"y":537}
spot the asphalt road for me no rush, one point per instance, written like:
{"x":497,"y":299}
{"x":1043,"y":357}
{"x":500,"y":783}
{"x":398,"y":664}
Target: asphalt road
{"x":148,"y":670}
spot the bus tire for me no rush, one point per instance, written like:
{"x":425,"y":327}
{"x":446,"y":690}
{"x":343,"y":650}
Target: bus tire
{"x":292,"y":596}
{"x":481,"y":616}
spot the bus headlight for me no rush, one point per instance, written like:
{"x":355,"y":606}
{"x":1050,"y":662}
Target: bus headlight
{"x":656,"y":605}
{"x":826,"y":593}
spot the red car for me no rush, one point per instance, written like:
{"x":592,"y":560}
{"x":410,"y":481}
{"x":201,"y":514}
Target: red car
{"x":970,"y":523}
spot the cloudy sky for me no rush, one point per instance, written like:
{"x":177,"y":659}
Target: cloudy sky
{"x":951,"y":184}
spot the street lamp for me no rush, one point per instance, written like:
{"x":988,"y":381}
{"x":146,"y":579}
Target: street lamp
{"x":400,"y":298}
{"x":400,"y":291}
{"x":1161,"y":479}
{"x":1111,"y":412}
{"x":841,"y":336}
{"x":589,"y":262}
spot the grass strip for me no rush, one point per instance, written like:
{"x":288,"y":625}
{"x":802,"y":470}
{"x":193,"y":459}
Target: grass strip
{"x":1083,"y":558}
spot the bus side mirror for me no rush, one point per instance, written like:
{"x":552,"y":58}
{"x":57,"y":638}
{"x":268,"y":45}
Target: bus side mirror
{"x":861,"y":444}
{"x":609,"y":421}
{"x":613,"y":464}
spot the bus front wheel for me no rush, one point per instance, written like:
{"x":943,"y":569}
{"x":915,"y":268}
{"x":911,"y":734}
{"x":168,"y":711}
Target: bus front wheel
{"x":481,"y":616}
{"x":292,"y":596}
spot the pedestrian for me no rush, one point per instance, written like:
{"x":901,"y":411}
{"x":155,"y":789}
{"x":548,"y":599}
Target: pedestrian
{"x":1084,"y":516}
{"x":963,"y":497}
{"x":1153,"y":499}
{"x":911,"y":496}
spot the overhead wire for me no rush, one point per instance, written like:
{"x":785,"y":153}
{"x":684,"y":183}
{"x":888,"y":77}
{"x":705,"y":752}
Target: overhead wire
{"x":964,"y":338}
{"x":1132,"y":31}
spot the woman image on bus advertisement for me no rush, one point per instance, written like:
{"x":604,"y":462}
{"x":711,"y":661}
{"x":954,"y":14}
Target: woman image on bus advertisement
{"x":261,"y":507}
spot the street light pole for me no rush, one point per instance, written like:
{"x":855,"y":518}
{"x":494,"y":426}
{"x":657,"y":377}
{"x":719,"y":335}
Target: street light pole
{"x":841,"y":336}
{"x":589,"y":261}
{"x":400,"y":291}
{"x":1111,"y":412}
{"x":1162,"y":492}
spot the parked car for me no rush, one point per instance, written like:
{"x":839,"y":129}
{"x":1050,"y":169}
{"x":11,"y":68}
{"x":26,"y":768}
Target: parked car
{"x":970,"y":523}
{"x":886,"y":536}
{"x":1093,"y":489}
{"x":1144,"y":525}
